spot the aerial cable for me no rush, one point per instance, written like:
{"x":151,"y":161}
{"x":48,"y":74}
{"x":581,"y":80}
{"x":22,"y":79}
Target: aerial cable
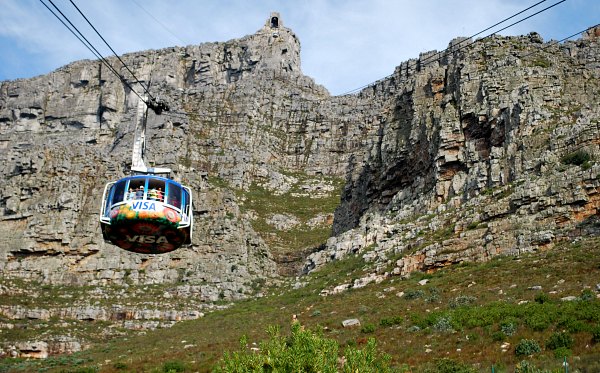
{"x":464,"y":46}
{"x":560,"y":41}
{"x":157,"y":107}
{"x":73,"y":32}
{"x":88,"y":44}
{"x":159,"y":22}
{"x":445,"y":51}
{"x":491,"y":27}
{"x":549,"y":45}
{"x":115,"y":53}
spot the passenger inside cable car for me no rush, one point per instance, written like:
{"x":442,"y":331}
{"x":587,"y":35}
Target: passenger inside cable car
{"x":138,"y":216}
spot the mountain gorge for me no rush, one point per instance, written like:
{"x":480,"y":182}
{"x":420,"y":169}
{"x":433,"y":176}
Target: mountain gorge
{"x":487,"y":148}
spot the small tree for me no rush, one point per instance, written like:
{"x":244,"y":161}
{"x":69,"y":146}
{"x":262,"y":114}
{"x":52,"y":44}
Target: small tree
{"x":303,"y":351}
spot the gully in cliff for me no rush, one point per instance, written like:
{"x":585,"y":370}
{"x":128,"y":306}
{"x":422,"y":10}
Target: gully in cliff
{"x":146,"y":212}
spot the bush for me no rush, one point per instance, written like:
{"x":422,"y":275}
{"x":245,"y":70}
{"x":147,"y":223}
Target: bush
{"x":119,"y":365}
{"x":366,"y":360}
{"x":562,"y":352}
{"x":587,"y":295}
{"x":368,"y":328}
{"x":450,"y":366}
{"x":527,"y":347}
{"x":443,"y":325}
{"x":596,"y":335}
{"x":542,"y":298}
{"x":577,"y":158}
{"x":570,"y":323}
{"x":498,"y":336}
{"x":303,"y":351}
{"x":526,"y":367}
{"x":508,"y":328}
{"x":391,"y":321}
{"x":462,"y":300}
{"x":434,"y":295}
{"x":558,"y":340}
{"x":173,"y":367}
{"x":539,"y":320}
{"x":414,"y":294}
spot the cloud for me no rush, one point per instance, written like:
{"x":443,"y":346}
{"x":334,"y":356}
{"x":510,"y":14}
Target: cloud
{"x":345,"y":44}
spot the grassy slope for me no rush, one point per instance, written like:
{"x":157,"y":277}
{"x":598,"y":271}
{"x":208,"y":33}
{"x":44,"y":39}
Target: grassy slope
{"x":489,"y":293}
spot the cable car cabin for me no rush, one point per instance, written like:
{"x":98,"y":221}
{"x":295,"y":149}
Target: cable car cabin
{"x":147,"y":214}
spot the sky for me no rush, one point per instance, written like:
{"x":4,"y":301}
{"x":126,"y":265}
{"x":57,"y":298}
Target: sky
{"x":345,"y":44}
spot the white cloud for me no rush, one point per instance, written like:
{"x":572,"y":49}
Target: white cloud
{"x":345,"y":44}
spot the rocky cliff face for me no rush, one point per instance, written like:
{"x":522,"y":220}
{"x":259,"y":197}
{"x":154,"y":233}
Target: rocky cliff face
{"x":487,"y":149}
{"x":490,"y":149}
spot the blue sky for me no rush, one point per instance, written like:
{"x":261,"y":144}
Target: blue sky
{"x":346,"y":44}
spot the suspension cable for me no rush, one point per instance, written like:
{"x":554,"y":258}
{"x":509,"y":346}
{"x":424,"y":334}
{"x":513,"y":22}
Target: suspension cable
{"x":89,"y":45}
{"x":115,"y":53}
{"x":464,"y":46}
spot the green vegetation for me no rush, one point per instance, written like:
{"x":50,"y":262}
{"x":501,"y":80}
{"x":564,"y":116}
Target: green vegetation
{"x":542,"y":62}
{"x":527,"y":347}
{"x":297,"y":203}
{"x":577,"y":158}
{"x":457,"y":322}
{"x":303,"y":351}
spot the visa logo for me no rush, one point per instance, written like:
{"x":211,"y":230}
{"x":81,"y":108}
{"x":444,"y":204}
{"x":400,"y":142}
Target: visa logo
{"x":144,"y":205}
{"x":147,"y":239}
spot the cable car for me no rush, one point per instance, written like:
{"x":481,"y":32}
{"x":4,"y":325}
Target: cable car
{"x":146,"y":213}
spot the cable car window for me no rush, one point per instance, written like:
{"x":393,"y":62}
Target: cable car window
{"x":186,"y":202}
{"x":119,"y":191}
{"x":137,"y":187}
{"x":107,"y":200}
{"x":156,"y":189}
{"x":174,"y":195}
{"x":186,"y":198}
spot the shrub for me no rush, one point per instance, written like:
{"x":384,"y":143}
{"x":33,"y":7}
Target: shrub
{"x":587,"y":295}
{"x":596,"y":335}
{"x":462,"y":300}
{"x":526,"y":367}
{"x":539,"y":320}
{"x":413,"y":294}
{"x":173,"y":367}
{"x":558,"y":340}
{"x":542,"y":62}
{"x":391,"y":321}
{"x":423,"y":320}
{"x":303,"y":351}
{"x":542,"y":298}
{"x":443,"y":325}
{"x":368,"y":328}
{"x":434,"y":295}
{"x":508,"y":328}
{"x":571,"y":323}
{"x":577,"y":158}
{"x":562,"y":352}
{"x":498,"y":336}
{"x":366,"y":360}
{"x":527,"y":347}
{"x":450,"y":366}
{"x":119,"y":365}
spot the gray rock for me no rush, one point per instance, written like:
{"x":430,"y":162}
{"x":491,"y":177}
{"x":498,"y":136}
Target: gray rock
{"x":569,"y":298}
{"x":350,"y":323}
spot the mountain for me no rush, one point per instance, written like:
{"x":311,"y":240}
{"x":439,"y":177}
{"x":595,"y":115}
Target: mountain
{"x":486,"y":148}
